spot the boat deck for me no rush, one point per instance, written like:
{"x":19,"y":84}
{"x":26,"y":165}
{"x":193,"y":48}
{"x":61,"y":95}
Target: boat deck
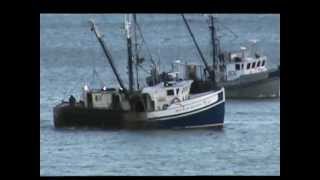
{"x":193,"y":96}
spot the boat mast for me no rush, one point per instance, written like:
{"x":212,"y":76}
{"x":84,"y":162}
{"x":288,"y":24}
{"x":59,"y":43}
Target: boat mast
{"x":211,"y":72}
{"x":130,"y":56}
{"x":213,"y":36}
{"x":107,"y":53}
{"x":136,"y":49}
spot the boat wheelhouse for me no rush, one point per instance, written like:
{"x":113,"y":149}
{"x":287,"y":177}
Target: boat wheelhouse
{"x":242,"y":64}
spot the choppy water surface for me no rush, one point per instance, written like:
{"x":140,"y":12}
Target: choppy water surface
{"x":249,"y":144}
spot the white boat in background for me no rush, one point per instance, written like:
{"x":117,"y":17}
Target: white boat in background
{"x":243,"y":74}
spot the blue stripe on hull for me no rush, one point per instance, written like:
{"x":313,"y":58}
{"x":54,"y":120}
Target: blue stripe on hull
{"x":212,"y":116}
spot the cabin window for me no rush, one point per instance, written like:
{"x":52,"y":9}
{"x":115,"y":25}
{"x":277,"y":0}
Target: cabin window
{"x":237,"y":66}
{"x":170,"y":92}
{"x":248,"y":66}
{"x":177,"y":91}
{"x":237,"y":59}
{"x":242,"y":65}
{"x":258,"y":64}
{"x":97,"y":97}
{"x":263,"y":63}
{"x":184,"y":90}
{"x":253,"y":64}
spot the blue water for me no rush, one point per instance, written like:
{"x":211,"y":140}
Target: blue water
{"x":249,"y":143}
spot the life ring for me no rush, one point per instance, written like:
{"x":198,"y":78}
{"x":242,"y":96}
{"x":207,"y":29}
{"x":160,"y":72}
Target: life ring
{"x":175,"y":100}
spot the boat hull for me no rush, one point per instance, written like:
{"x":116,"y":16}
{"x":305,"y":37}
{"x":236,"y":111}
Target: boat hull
{"x":66,"y":115}
{"x":211,"y":114}
{"x":252,"y":86}
{"x":259,"y":85}
{"x":266,"y":88}
{"x":211,"y":117}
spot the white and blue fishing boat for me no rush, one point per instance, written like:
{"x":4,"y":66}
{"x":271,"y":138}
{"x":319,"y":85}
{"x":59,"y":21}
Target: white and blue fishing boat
{"x":168,"y":102}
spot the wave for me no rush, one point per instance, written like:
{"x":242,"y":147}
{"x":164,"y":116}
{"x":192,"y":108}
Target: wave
{"x":45,"y":123}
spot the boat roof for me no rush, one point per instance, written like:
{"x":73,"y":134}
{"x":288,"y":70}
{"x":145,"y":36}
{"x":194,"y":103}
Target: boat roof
{"x":172,"y":84}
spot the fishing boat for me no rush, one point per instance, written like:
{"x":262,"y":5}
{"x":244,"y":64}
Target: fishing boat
{"x":243,"y":74}
{"x":166,"y":103}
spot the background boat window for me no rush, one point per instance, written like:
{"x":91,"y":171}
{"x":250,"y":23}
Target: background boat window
{"x":237,"y":66}
{"x":258,"y":65}
{"x":170,"y":92}
{"x":248,"y":65}
{"x":262,"y":63}
{"x":237,"y":59}
{"x":253,"y":64}
{"x":98,"y":98}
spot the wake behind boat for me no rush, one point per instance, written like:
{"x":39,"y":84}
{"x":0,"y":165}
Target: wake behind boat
{"x":166,"y":103}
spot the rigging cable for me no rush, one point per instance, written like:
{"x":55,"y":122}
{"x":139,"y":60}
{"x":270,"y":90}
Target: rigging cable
{"x":72,"y":88}
{"x":233,"y":33}
{"x":139,"y":29}
{"x":95,"y":75}
{"x":144,"y":70}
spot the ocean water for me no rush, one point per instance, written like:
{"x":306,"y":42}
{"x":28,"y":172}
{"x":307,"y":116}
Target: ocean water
{"x":249,"y":143}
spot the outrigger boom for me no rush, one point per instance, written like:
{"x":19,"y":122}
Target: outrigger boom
{"x":108,"y":55}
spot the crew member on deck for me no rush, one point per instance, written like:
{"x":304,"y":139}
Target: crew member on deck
{"x":72,"y":100}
